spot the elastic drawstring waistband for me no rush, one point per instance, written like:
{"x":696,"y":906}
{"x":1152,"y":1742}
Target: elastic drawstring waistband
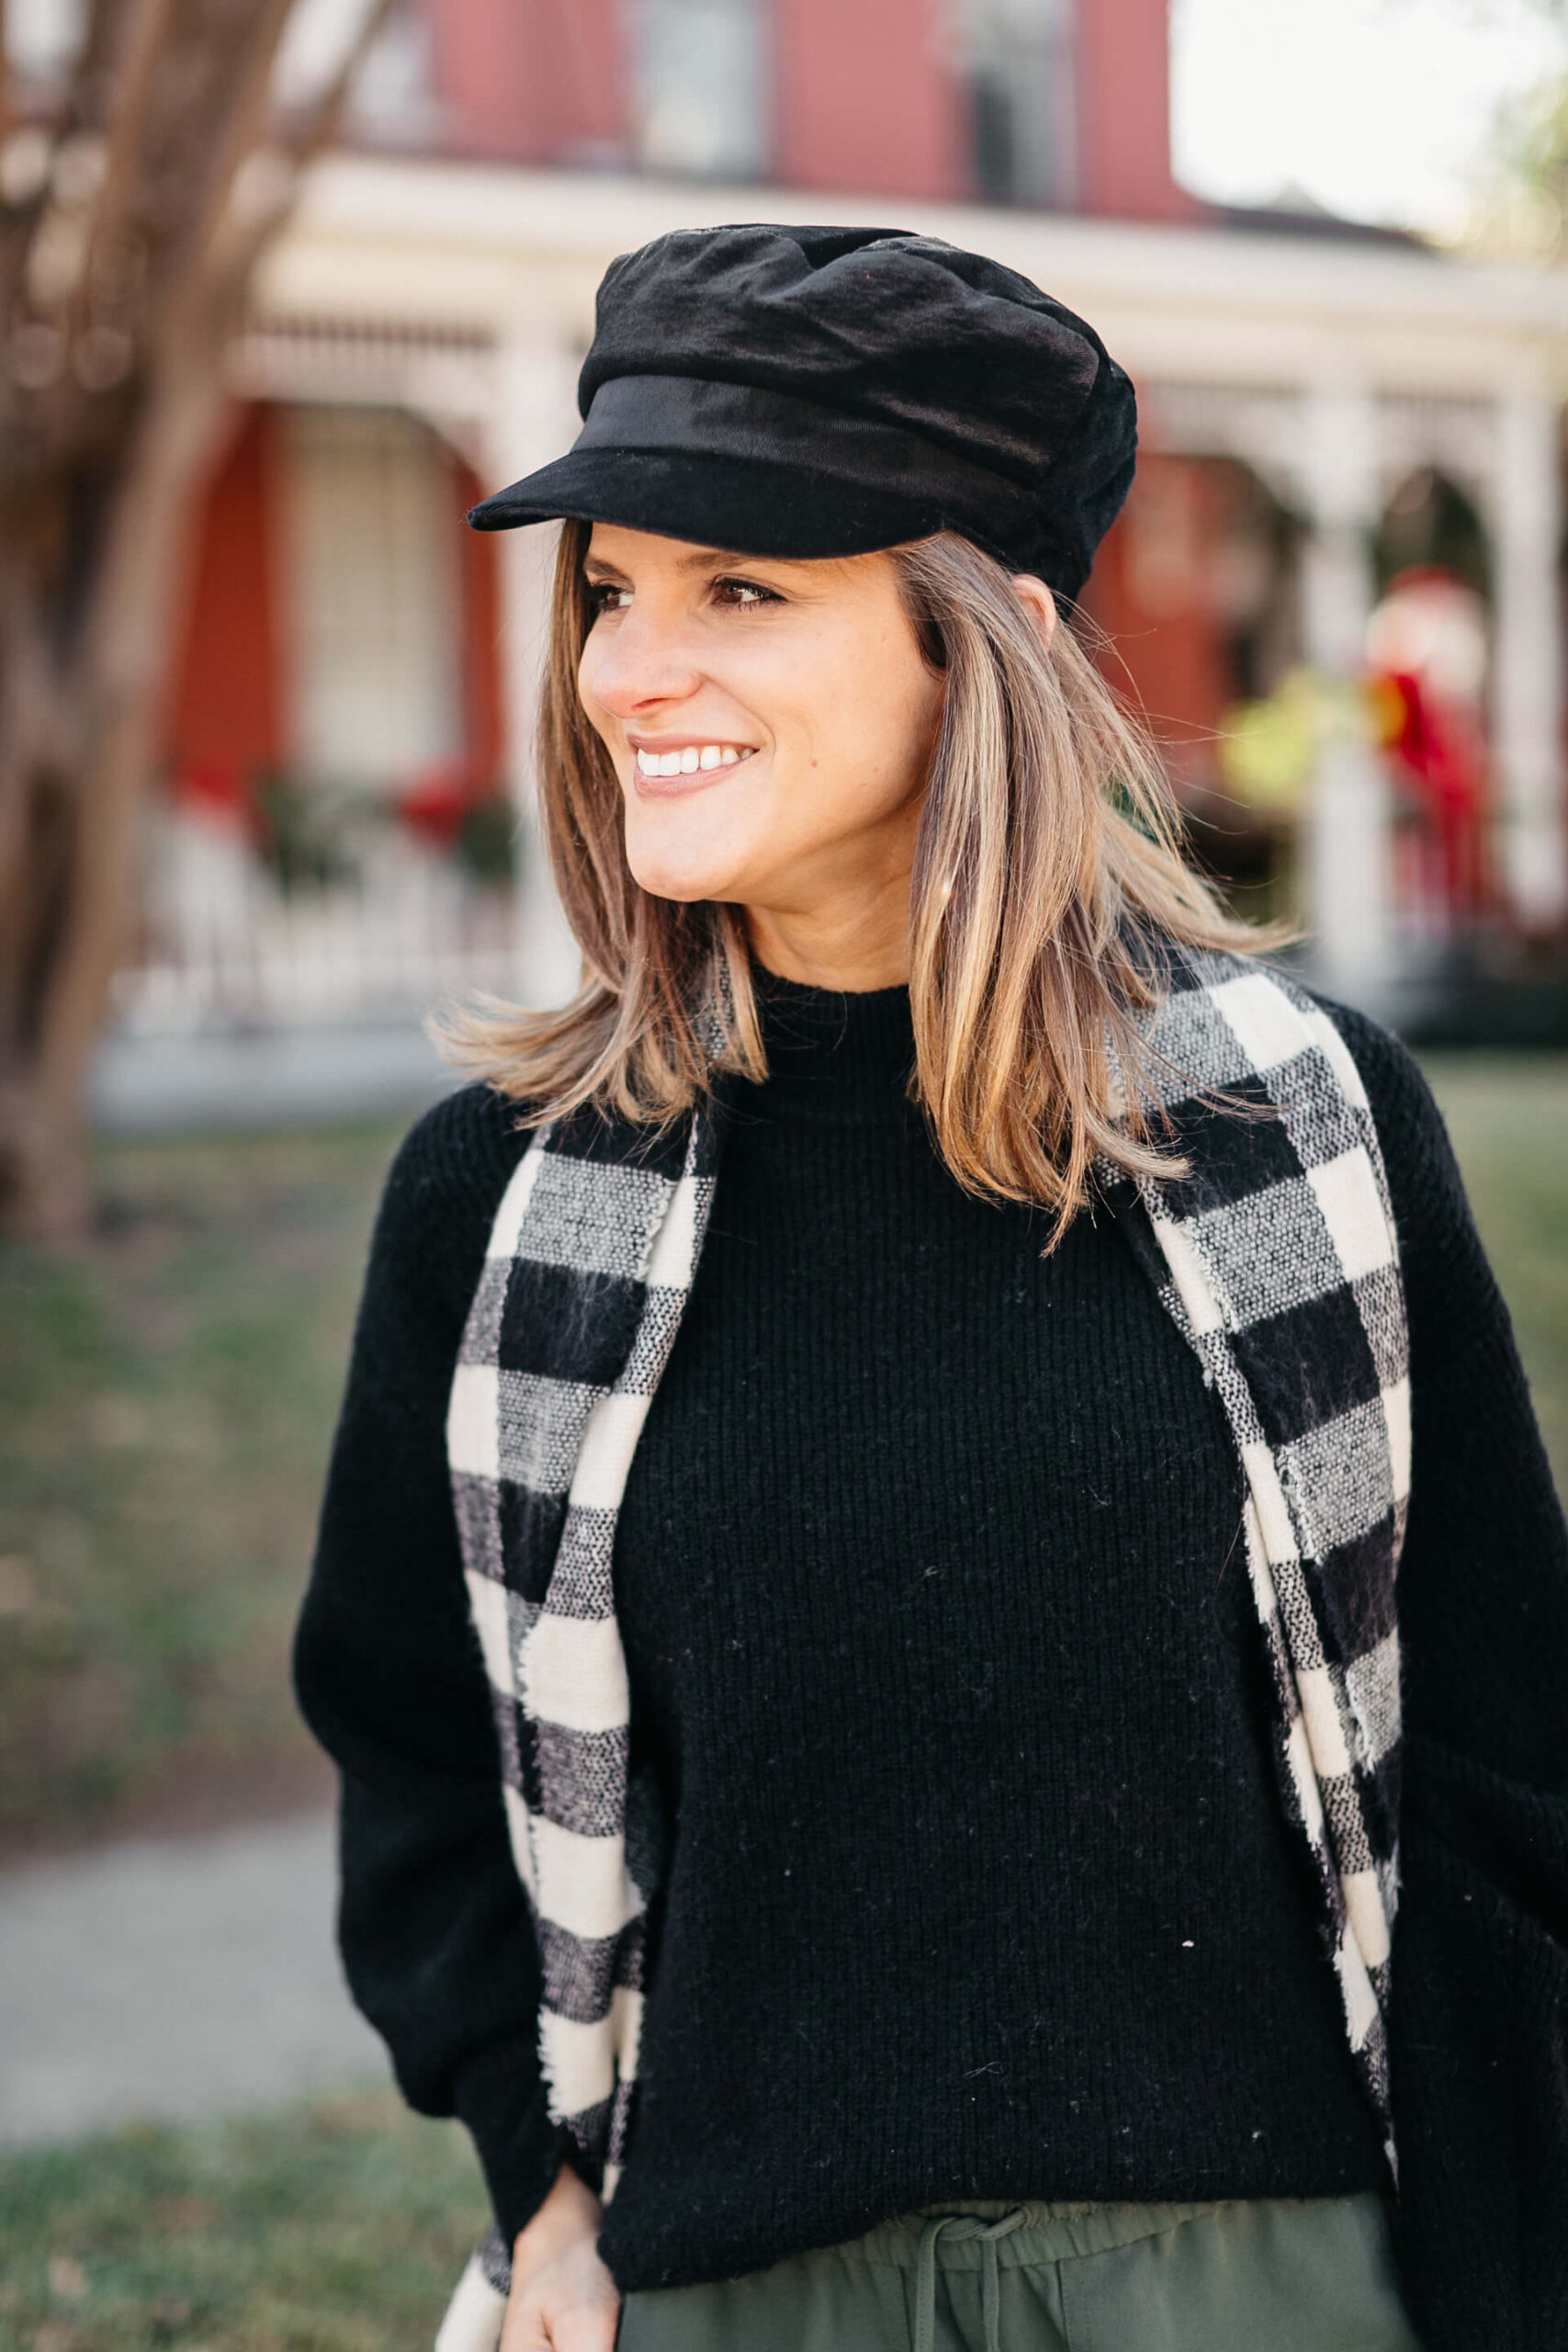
{"x":963,"y":2229}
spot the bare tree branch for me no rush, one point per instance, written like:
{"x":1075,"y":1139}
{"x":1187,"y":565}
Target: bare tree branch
{"x":323,"y":120}
{"x":124,"y":264}
{"x":281,"y":164}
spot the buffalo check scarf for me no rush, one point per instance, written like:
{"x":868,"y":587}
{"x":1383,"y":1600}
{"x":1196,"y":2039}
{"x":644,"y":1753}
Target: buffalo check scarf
{"x":1276,"y":1256}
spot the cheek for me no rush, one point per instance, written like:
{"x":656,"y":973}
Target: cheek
{"x":919,"y":708}
{"x":875,"y":718}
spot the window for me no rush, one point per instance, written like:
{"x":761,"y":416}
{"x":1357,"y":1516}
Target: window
{"x":701,"y":83}
{"x":374,"y":597}
{"x":1019,"y":59}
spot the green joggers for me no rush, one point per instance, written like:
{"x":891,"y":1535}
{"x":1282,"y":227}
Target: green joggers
{"x":1262,"y":2276}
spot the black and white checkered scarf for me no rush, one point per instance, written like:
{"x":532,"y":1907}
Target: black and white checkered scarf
{"x":1276,"y":1256}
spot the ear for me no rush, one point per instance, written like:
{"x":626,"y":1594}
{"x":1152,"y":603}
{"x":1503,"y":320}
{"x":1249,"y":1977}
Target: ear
{"x":1038,"y":602}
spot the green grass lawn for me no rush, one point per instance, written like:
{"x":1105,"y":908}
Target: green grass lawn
{"x":166,"y":1400}
{"x":1509,"y":1118}
{"x":339,"y":2227}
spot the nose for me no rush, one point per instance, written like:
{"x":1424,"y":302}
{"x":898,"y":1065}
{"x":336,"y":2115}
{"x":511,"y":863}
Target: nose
{"x":641,"y":664}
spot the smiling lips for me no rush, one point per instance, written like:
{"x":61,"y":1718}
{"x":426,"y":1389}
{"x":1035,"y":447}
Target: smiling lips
{"x":690,"y":759}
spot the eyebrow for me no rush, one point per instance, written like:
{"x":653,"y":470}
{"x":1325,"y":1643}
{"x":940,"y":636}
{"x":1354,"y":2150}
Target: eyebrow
{"x":701,"y":559}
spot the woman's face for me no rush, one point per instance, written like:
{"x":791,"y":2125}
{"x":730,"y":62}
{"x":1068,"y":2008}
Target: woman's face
{"x":771,"y":723}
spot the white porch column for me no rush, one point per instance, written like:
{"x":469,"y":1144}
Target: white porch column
{"x":1527,"y":656}
{"x":534,"y":421}
{"x":1349,"y":863}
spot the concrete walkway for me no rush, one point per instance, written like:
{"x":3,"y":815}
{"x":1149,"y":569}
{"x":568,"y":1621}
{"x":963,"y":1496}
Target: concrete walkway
{"x":174,"y":1979}
{"x":314,"y":1075}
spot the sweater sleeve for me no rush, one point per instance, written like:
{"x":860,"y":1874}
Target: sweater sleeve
{"x":437,"y":1942}
{"x":1479,"y":2014}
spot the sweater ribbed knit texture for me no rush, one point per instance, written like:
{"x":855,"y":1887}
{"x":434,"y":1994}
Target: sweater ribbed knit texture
{"x":958,"y":1685}
{"x":930,"y":1582}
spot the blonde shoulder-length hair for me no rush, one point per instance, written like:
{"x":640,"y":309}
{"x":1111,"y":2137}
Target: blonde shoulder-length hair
{"x":1047,"y":876}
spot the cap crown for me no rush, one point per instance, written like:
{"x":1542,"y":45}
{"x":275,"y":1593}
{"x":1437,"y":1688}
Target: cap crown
{"x":873,"y":321}
{"x":816,"y":392}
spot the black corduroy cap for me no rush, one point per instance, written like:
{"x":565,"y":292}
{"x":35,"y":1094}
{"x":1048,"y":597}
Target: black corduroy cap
{"x":809,"y":392}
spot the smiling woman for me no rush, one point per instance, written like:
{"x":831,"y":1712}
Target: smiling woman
{"x":914,"y":776}
{"x":886,"y":1775}
{"x":809,"y":675}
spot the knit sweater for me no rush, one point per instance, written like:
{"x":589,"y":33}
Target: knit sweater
{"x":930,"y":1578}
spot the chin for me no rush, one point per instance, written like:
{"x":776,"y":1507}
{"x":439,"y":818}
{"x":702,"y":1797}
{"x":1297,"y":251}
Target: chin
{"x":686,"y":871}
{"x":665,"y":878}
{"x":680,"y":892}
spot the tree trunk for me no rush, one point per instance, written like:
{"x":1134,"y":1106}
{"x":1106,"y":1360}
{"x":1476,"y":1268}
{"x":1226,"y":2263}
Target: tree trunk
{"x":74,"y":806}
{"x":122,"y":274}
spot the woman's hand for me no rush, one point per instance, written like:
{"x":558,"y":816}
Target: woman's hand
{"x":562,"y":2298}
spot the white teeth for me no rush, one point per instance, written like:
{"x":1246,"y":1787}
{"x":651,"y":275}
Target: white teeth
{"x":690,"y":758}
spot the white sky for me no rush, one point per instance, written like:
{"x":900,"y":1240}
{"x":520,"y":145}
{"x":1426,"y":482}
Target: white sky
{"x":1379,"y":109}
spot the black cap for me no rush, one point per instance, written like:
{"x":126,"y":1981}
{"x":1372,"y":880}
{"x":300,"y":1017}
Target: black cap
{"x":802,"y":391}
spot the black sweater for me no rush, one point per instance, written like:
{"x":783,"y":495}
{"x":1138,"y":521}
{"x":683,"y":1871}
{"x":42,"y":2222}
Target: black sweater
{"x":932,"y":1586}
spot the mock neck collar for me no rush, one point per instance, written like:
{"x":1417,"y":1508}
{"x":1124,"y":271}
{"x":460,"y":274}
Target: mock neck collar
{"x":863,"y":1041}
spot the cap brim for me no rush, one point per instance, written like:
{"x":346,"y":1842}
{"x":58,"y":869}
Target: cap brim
{"x":750,"y":506}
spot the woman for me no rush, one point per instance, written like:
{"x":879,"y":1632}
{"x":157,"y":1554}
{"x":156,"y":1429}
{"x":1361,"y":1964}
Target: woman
{"x":855,"y":1603}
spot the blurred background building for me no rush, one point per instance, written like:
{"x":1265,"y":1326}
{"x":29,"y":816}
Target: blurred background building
{"x":1334,"y":588}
